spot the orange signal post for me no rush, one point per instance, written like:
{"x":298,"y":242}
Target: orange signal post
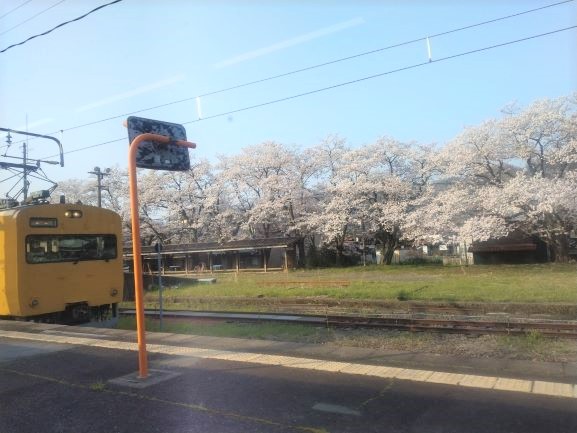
{"x":136,"y":249}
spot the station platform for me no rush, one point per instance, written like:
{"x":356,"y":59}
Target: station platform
{"x":541,"y":378}
{"x":60,"y":379}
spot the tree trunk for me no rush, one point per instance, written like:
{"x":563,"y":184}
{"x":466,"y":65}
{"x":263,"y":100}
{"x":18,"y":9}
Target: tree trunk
{"x":312,"y":255}
{"x":301,"y":251}
{"x":340,"y":245}
{"x":559,"y":245}
{"x":388,"y":253}
{"x":390,"y":241}
{"x":389,"y":248}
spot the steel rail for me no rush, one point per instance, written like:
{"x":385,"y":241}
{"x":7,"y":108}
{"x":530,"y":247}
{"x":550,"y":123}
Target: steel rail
{"x":517,"y":326}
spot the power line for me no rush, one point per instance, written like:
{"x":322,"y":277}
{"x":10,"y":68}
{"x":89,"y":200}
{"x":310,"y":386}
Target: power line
{"x":342,"y":59}
{"x":90,"y":147}
{"x":32,"y":17}
{"x":320,"y":65}
{"x":323,"y":89}
{"x":15,"y":9}
{"x":60,"y":25}
{"x":382,"y":74}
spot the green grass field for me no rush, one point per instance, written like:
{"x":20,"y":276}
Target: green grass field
{"x":544,"y":286}
{"x":547,"y":283}
{"x":259,"y":331}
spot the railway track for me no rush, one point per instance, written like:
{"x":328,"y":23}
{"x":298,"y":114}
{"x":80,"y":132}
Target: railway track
{"x":407,"y":322}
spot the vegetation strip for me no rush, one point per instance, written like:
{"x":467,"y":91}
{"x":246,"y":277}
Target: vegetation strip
{"x":318,"y":304}
{"x":549,"y":328}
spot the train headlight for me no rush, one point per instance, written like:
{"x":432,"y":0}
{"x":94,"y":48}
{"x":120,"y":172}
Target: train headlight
{"x":34,"y":302}
{"x":73,"y":213}
{"x":113,"y":292}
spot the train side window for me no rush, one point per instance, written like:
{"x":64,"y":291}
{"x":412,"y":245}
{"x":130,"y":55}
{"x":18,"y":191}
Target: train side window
{"x":109,"y":247}
{"x":70,"y":248}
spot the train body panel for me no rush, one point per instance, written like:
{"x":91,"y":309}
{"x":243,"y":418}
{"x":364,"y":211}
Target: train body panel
{"x":59,"y":257}
{"x":9,"y":299}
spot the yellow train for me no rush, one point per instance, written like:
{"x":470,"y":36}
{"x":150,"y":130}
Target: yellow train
{"x":60,"y":263}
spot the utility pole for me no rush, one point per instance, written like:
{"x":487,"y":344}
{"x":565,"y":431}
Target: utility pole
{"x":100,"y":175}
{"x":158,"y":249}
{"x":25,"y":166}
{"x":24,"y":157}
{"x":24,"y":172}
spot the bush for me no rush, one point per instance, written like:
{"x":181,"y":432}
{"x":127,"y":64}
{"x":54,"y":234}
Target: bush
{"x":420,"y":261}
{"x":404,"y":295}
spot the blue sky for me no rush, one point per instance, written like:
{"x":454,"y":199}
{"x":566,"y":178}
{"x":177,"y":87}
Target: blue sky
{"x":142,"y":53}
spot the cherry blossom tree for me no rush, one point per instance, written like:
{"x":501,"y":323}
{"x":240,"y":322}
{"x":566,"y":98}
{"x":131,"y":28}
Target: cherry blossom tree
{"x":519,"y":172}
{"x":371,"y":190}
{"x":188,"y":196}
{"x":513,"y":173}
{"x":253,"y":181}
{"x":117,"y":198}
{"x":544,"y":137}
{"x":76,"y":191}
{"x":267,"y":185}
{"x":402,"y":172}
{"x":327,"y":213}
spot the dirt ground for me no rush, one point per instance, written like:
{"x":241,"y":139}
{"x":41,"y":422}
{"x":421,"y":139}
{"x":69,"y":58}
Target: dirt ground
{"x":533,"y":346}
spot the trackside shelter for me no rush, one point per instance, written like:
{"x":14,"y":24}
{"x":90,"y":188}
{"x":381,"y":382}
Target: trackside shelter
{"x":237,"y":256}
{"x":513,"y":249}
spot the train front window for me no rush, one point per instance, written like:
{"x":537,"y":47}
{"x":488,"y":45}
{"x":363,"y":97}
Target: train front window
{"x":69,"y":248}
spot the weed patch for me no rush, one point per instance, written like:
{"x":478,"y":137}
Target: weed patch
{"x":98,"y":386}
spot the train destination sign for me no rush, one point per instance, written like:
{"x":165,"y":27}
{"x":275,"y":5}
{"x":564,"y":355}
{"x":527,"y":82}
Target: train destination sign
{"x":155,"y":155}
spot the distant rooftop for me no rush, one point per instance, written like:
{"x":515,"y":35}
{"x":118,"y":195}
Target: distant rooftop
{"x":207,"y":247}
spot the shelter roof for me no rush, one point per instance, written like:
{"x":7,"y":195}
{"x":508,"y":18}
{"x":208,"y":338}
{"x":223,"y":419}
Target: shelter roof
{"x":213,"y":247}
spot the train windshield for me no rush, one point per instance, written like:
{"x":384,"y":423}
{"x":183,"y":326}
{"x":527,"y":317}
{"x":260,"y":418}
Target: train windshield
{"x":69,"y":248}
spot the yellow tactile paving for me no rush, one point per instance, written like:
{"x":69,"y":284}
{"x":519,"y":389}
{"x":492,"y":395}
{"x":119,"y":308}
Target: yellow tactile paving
{"x":235,"y":356}
{"x":516,"y":385}
{"x":356,"y":369}
{"x":445,"y":378}
{"x":203,"y":353}
{"x":309,"y":364}
{"x":553,"y":388}
{"x":171,"y":350}
{"x":277,"y":360}
{"x":478,"y":381}
{"x":416,"y":375}
{"x":121,"y":345}
{"x":74,"y":340}
{"x":334,"y":366}
{"x":484,"y":382}
{"x":386,"y":372}
{"x":24,"y":336}
{"x":293,"y":360}
{"x":272,"y":360}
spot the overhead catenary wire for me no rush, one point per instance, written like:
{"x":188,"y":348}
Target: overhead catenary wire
{"x":15,"y":9}
{"x":429,"y":61}
{"x":308,"y":68}
{"x":335,"y":86}
{"x":59,"y":25}
{"x":32,"y":17}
